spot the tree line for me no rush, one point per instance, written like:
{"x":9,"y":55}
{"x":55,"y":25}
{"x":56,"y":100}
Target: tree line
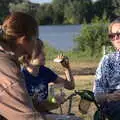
{"x":94,"y":17}
{"x":62,"y":11}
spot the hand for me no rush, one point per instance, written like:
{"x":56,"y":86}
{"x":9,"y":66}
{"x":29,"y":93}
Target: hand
{"x":115,"y":96}
{"x":64,"y":60}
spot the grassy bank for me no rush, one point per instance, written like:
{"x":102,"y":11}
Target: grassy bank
{"x":74,"y":55}
{"x":81,"y":62}
{"x":77,"y":67}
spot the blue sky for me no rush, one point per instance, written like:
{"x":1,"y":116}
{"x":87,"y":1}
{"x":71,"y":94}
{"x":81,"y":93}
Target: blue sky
{"x":40,"y":1}
{"x":43,"y":1}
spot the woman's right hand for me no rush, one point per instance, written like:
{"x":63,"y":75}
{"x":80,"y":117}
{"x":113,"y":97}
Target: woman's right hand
{"x":115,"y":96}
{"x":64,"y":60}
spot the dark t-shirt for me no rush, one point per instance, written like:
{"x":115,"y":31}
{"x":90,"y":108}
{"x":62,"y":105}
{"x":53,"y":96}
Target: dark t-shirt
{"x":38,"y":86}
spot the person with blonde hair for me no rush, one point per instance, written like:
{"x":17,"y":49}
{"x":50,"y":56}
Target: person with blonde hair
{"x":18,"y":36}
{"x":107,"y":83}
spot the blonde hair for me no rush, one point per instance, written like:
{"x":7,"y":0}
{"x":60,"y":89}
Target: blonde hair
{"x":117,"y":20}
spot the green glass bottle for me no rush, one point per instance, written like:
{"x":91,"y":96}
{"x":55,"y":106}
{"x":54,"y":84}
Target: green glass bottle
{"x":51,"y":93}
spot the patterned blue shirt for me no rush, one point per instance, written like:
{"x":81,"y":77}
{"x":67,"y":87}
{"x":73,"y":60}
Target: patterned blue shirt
{"x":108,"y":74}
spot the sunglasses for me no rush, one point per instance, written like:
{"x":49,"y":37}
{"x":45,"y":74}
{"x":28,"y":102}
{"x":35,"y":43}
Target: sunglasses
{"x":113,"y":35}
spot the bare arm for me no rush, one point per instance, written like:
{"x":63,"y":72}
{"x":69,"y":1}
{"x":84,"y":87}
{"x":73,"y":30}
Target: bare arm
{"x":69,"y":80}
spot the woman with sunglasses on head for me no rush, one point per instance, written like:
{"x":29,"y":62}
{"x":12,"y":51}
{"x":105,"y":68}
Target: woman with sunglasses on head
{"x":18,"y":36}
{"x":38,"y":76}
{"x":107,"y":83}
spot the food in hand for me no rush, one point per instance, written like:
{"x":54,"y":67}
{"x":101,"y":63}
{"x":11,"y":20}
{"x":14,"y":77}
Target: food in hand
{"x":58,"y":60}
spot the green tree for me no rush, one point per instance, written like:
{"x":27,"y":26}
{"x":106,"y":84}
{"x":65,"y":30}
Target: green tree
{"x":4,"y":7}
{"x":78,"y":11}
{"x":93,"y":36}
{"x":101,"y":6}
{"x":44,"y":14}
{"x":58,"y":8}
{"x":116,"y":4}
{"x":25,"y":7}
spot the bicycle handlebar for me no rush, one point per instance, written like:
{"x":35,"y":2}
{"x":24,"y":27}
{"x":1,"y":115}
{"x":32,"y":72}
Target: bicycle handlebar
{"x":84,"y":94}
{"x":87,"y":95}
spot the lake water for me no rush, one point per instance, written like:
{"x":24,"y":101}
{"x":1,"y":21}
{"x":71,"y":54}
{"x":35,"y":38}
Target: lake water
{"x":59,"y":36}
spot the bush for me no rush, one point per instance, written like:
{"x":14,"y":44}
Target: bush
{"x":50,"y":51}
{"x":93,"y":36}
